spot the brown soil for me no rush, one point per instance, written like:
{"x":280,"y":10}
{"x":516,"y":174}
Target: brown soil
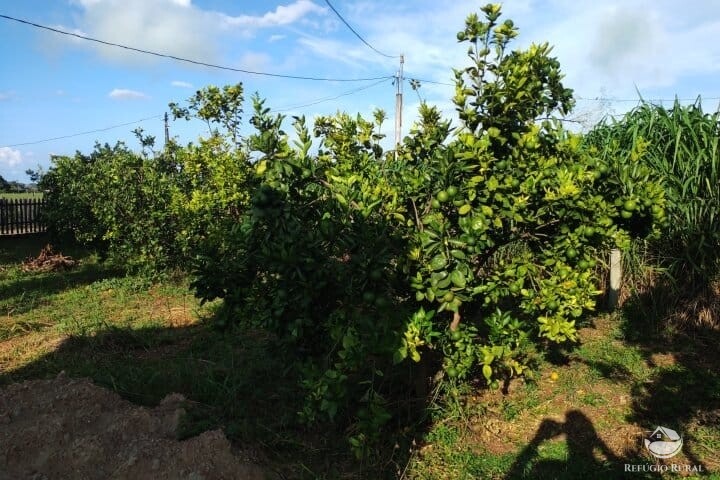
{"x":71,"y":428}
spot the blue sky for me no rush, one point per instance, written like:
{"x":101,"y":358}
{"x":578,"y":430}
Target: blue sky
{"x":54,"y":85}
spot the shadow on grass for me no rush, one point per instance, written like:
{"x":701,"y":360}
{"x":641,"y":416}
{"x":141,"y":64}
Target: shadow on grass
{"x":578,"y":453}
{"x":684,"y":391}
{"x":240,"y":380}
{"x":16,"y":248}
{"x":614,"y":371}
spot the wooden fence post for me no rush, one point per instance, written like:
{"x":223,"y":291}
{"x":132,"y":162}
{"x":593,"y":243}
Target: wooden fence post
{"x":615,"y":278}
{"x":21,"y":216}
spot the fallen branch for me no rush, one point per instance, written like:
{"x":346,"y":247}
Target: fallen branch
{"x":48,"y":261}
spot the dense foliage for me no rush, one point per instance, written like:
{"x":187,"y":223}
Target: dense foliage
{"x":471,"y":245}
{"x":151,"y":210}
{"x":461,"y":252}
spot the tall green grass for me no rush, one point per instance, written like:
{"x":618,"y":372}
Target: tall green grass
{"x":680,"y":145}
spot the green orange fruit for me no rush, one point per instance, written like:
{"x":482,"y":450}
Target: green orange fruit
{"x":630,"y":205}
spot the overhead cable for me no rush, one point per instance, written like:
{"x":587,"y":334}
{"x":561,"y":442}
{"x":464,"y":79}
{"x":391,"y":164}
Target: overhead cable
{"x":430,"y":81}
{"x":357,"y":34}
{"x":283,"y":109}
{"x":327,"y":99}
{"x":83,"y":133}
{"x":186,"y":60}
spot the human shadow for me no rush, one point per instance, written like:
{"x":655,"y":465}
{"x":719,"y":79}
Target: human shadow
{"x":587,"y":455}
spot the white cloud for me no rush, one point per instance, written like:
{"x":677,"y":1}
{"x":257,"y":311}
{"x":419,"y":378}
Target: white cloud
{"x":335,"y":50}
{"x":173,"y":27}
{"x":283,"y":15}
{"x":125,"y":94}
{"x":181,"y":84}
{"x":6,"y":96}
{"x":9,"y":157}
{"x":615,"y":45}
{"x":275,"y":38}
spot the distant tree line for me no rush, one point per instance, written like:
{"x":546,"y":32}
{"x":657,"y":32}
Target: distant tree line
{"x":16,"y":187}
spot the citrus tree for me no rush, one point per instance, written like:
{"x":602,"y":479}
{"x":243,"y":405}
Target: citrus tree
{"x":508,"y":242}
{"x":472,"y":245}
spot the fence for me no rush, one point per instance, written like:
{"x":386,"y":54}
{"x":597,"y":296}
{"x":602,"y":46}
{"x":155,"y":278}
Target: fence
{"x":21,"y":215}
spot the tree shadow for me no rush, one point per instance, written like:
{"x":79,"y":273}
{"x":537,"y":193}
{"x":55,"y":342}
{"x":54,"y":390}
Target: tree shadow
{"x":24,"y":294}
{"x":235,"y":380}
{"x":16,"y":248}
{"x":684,"y":391}
{"x":241,"y":380}
{"x":614,"y":371}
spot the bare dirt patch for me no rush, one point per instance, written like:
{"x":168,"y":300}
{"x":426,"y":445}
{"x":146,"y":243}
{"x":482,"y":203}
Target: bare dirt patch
{"x":71,"y":428}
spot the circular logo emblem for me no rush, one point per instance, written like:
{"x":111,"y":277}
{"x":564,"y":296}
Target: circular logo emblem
{"x":664,"y":442}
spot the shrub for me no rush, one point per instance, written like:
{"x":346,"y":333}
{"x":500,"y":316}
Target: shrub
{"x":471,"y":246}
{"x":150,"y":211}
{"x":114,"y":200}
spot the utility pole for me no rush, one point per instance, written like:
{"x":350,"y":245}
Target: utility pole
{"x":167,"y":130}
{"x":399,"y":103}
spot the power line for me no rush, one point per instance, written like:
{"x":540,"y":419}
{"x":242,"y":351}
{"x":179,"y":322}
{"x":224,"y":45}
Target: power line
{"x":284,"y":109}
{"x":83,"y":133}
{"x":327,"y":99}
{"x":638,"y":100}
{"x":186,"y":60}
{"x":357,"y":34}
{"x":595,"y":99}
{"x":431,"y":81}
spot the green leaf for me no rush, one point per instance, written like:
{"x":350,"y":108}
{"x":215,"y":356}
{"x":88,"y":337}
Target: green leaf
{"x":459,"y":254}
{"x":438,"y":262}
{"x":458,"y":279}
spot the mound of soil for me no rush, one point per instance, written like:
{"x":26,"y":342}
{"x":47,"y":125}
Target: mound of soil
{"x":70,"y":428}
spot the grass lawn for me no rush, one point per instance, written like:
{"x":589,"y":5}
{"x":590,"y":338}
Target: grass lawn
{"x":587,"y":412}
{"x":22,"y":195}
{"x":583,"y":416}
{"x":145,"y":340}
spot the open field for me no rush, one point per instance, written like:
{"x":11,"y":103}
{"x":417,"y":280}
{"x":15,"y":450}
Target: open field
{"x":584,"y":413}
{"x":21,"y":195}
